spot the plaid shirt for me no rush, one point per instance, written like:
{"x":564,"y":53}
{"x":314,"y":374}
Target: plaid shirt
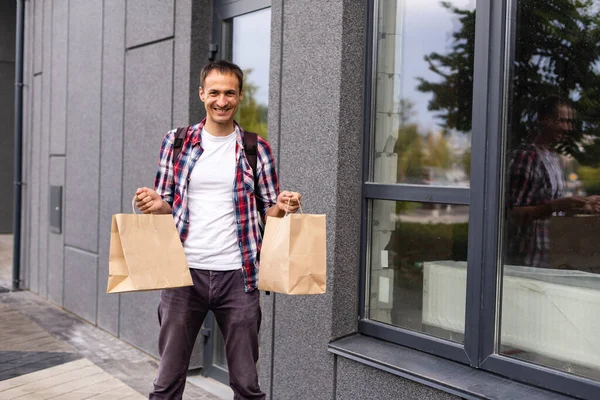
{"x":172,"y":181}
{"x":529,"y":185}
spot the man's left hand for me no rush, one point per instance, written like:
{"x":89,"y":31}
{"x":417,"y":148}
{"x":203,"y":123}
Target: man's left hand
{"x":289,"y":202}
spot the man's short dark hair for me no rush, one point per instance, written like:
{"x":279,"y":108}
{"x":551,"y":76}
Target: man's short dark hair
{"x":223,"y":67}
{"x":548,"y":107}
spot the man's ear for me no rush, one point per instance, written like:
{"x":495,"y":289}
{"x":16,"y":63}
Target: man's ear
{"x":201,"y":93}
{"x":241,"y":95}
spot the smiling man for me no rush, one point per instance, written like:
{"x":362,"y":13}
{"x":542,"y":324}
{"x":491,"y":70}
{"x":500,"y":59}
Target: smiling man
{"x":218,"y":205}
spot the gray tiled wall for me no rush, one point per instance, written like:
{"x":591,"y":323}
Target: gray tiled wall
{"x":80,"y":283}
{"x":95,"y":114}
{"x":357,"y":381}
{"x":58,"y":70}
{"x":148,"y":88}
{"x":56,"y":240}
{"x":83,"y":125}
{"x":111,"y":160}
{"x":309,"y":151}
{"x":149,"y":21}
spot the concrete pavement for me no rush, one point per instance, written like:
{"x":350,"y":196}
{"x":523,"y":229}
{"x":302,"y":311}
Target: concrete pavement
{"x":47,"y":353}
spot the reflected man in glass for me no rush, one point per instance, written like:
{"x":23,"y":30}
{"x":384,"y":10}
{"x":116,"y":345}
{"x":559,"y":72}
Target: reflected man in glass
{"x":536,"y":186}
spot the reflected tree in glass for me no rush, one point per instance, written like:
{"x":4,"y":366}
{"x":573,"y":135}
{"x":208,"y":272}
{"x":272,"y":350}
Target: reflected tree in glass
{"x":556,"y":53}
{"x":252,"y":115}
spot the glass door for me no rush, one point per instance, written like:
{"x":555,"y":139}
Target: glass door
{"x":243,"y":34}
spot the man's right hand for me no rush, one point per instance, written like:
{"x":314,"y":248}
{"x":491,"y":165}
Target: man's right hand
{"x":568,"y":203}
{"x":149,"y":202}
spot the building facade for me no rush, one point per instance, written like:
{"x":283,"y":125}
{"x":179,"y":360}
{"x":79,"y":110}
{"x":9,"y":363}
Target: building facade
{"x":406,"y":122}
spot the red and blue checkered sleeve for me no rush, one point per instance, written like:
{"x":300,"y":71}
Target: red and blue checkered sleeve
{"x":268,"y":185}
{"x":521,"y":174}
{"x":164,"y":183}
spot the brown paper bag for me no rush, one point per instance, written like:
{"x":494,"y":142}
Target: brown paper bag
{"x":145,"y":254}
{"x":293,"y":255}
{"x":575,"y":243}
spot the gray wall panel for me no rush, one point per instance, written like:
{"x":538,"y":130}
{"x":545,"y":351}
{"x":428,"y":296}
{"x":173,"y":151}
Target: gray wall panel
{"x":358,"y":381}
{"x":80,"y":283}
{"x":83,"y":126}
{"x":314,"y":65}
{"x":149,"y":20}
{"x":268,"y":302}
{"x":199,"y":41}
{"x":349,"y":179}
{"x":148,"y":95}
{"x":8,"y":10}
{"x":34,"y":187}
{"x":181,"y":62}
{"x":148,"y":90}
{"x":38,"y":18}
{"x":111,"y":160}
{"x":27,"y":118}
{"x":7,"y":110}
{"x":56,"y":241}
{"x":138,"y":320}
{"x":7,"y":86}
{"x":58,"y":71}
{"x":44,"y":148}
{"x":310,"y":66}
{"x":187,"y":63}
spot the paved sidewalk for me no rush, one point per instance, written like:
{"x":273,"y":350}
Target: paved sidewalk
{"x":47,"y":353}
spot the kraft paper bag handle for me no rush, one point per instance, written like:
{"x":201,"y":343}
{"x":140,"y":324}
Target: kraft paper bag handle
{"x":133,"y":204}
{"x":288,"y":213}
{"x":133,"y":209}
{"x":288,"y":204}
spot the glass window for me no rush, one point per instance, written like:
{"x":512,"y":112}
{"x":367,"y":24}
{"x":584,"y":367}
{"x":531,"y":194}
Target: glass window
{"x":422,"y":110}
{"x":418,"y":266}
{"x":251,"y":51}
{"x":421,"y":136}
{"x":551,"y":220}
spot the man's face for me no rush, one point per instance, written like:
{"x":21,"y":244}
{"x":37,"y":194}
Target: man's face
{"x":560,"y":125}
{"x":221,"y":96}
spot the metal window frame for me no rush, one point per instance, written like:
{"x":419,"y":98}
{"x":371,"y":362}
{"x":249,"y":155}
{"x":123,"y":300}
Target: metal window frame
{"x":493,"y":37}
{"x":222,"y":31}
{"x":502,"y":36}
{"x":468,"y":353}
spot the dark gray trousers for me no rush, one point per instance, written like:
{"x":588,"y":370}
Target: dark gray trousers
{"x":180,"y":314}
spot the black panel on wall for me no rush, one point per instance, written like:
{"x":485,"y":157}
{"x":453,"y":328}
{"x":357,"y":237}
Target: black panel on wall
{"x":7,"y":86}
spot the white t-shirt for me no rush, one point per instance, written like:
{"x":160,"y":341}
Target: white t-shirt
{"x":212,"y":242}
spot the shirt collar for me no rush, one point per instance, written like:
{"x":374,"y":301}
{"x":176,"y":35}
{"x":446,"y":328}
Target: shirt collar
{"x":197,"y":133}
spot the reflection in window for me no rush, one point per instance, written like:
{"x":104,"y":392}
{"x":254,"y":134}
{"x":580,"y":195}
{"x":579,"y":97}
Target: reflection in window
{"x":424,"y":92}
{"x":418,"y":267}
{"x":251,"y":51}
{"x":551,"y":286}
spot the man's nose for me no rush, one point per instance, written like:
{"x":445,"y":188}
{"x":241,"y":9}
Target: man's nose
{"x":221,"y":101}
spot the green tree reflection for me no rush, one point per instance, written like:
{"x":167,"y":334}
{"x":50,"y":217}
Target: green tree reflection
{"x":252,"y":115}
{"x":558,"y":52}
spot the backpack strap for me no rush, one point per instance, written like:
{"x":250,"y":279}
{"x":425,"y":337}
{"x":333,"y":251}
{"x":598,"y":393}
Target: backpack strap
{"x":250,"y":145}
{"x":178,"y":143}
{"x":250,"y":148}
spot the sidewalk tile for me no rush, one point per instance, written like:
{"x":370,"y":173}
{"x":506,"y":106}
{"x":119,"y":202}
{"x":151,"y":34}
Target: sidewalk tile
{"x":39,"y":375}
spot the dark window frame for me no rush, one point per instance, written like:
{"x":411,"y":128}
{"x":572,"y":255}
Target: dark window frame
{"x":484,"y":197}
{"x":222,"y":31}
